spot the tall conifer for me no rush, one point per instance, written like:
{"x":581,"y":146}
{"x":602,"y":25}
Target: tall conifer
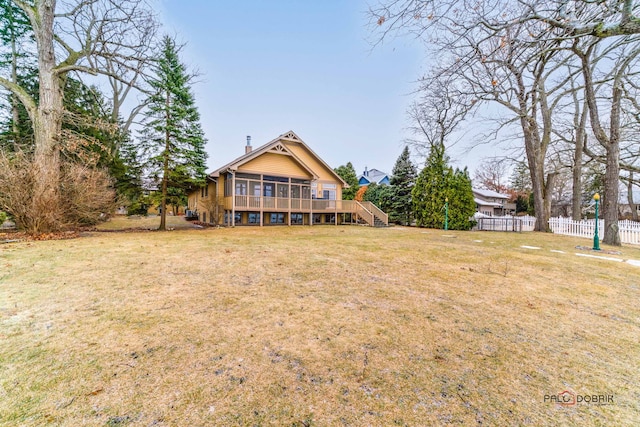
{"x":436,"y":184}
{"x":402,"y":181}
{"x":173,"y":138}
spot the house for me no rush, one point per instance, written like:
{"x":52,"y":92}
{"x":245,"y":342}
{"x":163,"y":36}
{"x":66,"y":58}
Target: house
{"x":373,"y":176}
{"x":282,"y":182}
{"x":491,"y":203}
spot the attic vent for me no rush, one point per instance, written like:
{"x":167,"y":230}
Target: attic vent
{"x":291,"y":135}
{"x":279,"y":149}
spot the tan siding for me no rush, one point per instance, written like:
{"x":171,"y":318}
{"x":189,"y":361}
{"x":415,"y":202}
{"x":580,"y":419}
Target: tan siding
{"x":276,"y":164}
{"x":324,"y":174}
{"x":204,"y":202}
{"x":312,"y":163}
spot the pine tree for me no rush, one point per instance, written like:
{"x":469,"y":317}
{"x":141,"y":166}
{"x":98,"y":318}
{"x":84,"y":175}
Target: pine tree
{"x":348,"y":174}
{"x":14,"y":30}
{"x":520,"y":179}
{"x":402,"y":182}
{"x":173,"y":139}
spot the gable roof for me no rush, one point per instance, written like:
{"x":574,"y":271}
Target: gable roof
{"x":276,"y":146}
{"x":481,"y":202}
{"x":373,"y":175}
{"x":489,"y":193}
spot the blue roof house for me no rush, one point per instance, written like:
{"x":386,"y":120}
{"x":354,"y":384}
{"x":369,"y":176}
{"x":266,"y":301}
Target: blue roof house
{"x":373,"y":176}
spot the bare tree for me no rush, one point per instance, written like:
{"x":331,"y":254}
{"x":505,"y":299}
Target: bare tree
{"x":79,"y":36}
{"x":492,"y":174}
{"x":608,"y":136}
{"x":540,"y":26}
{"x":437,"y":114}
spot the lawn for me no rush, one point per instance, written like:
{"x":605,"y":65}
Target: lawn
{"x":316,"y":326}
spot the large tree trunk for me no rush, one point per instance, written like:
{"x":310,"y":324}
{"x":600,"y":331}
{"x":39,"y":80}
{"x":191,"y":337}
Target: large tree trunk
{"x":610,"y":142}
{"x":47,"y":125}
{"x":612,"y":171}
{"x":611,"y":195}
{"x":165,"y":169}
{"x":576,"y":191}
{"x":542,"y":208}
{"x":548,"y":191}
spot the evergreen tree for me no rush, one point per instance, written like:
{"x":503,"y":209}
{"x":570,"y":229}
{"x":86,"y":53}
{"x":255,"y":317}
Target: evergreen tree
{"x":402,"y":182}
{"x":348,"y":174}
{"x":127,"y":172}
{"x":461,"y":203}
{"x":436,"y":183}
{"x":429,"y":193}
{"x":14,"y":39}
{"x":173,"y":139}
{"x":520,"y":179}
{"x":379,"y":195}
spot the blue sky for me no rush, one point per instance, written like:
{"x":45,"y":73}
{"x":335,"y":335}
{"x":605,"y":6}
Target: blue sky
{"x":272,"y":66}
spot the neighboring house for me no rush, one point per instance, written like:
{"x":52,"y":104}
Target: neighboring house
{"x":625,"y":210}
{"x":491,"y":203}
{"x":373,"y":176}
{"x":280,"y":183}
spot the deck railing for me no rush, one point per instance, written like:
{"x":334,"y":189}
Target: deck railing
{"x":376,"y":211}
{"x":367,"y":211}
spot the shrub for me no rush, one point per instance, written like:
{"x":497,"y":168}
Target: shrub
{"x":86,"y":195}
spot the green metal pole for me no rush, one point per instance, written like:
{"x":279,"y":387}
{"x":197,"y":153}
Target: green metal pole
{"x":596,"y":239}
{"x":446,"y":213}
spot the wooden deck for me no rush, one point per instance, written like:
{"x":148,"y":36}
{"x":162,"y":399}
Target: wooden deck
{"x":366,"y":211}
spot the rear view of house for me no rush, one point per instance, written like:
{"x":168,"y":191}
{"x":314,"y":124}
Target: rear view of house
{"x":280,"y":183}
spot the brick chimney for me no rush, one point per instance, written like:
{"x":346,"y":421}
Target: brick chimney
{"x":248,"y":147}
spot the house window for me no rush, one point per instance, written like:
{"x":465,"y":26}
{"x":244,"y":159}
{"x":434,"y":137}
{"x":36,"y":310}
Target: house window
{"x":296,"y":218}
{"x":306,"y":192}
{"x":247,"y":176}
{"x":254,"y":188}
{"x":204,"y":191}
{"x":238,"y":218}
{"x":295,"y":191}
{"x":316,"y":218}
{"x":227,"y":185}
{"x":275,"y":178}
{"x":241,"y":188}
{"x":269,"y":189}
{"x":329,"y":194}
{"x":329,"y":218}
{"x":283,"y":191}
{"x":254,"y":218}
{"x":204,"y":217}
{"x":277,"y":218}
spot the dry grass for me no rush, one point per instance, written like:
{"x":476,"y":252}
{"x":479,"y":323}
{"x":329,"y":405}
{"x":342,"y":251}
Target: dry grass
{"x":136,"y":222}
{"x":315,"y":326}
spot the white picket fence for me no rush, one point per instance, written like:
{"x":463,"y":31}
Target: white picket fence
{"x":528,"y":222}
{"x":629,"y":230}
